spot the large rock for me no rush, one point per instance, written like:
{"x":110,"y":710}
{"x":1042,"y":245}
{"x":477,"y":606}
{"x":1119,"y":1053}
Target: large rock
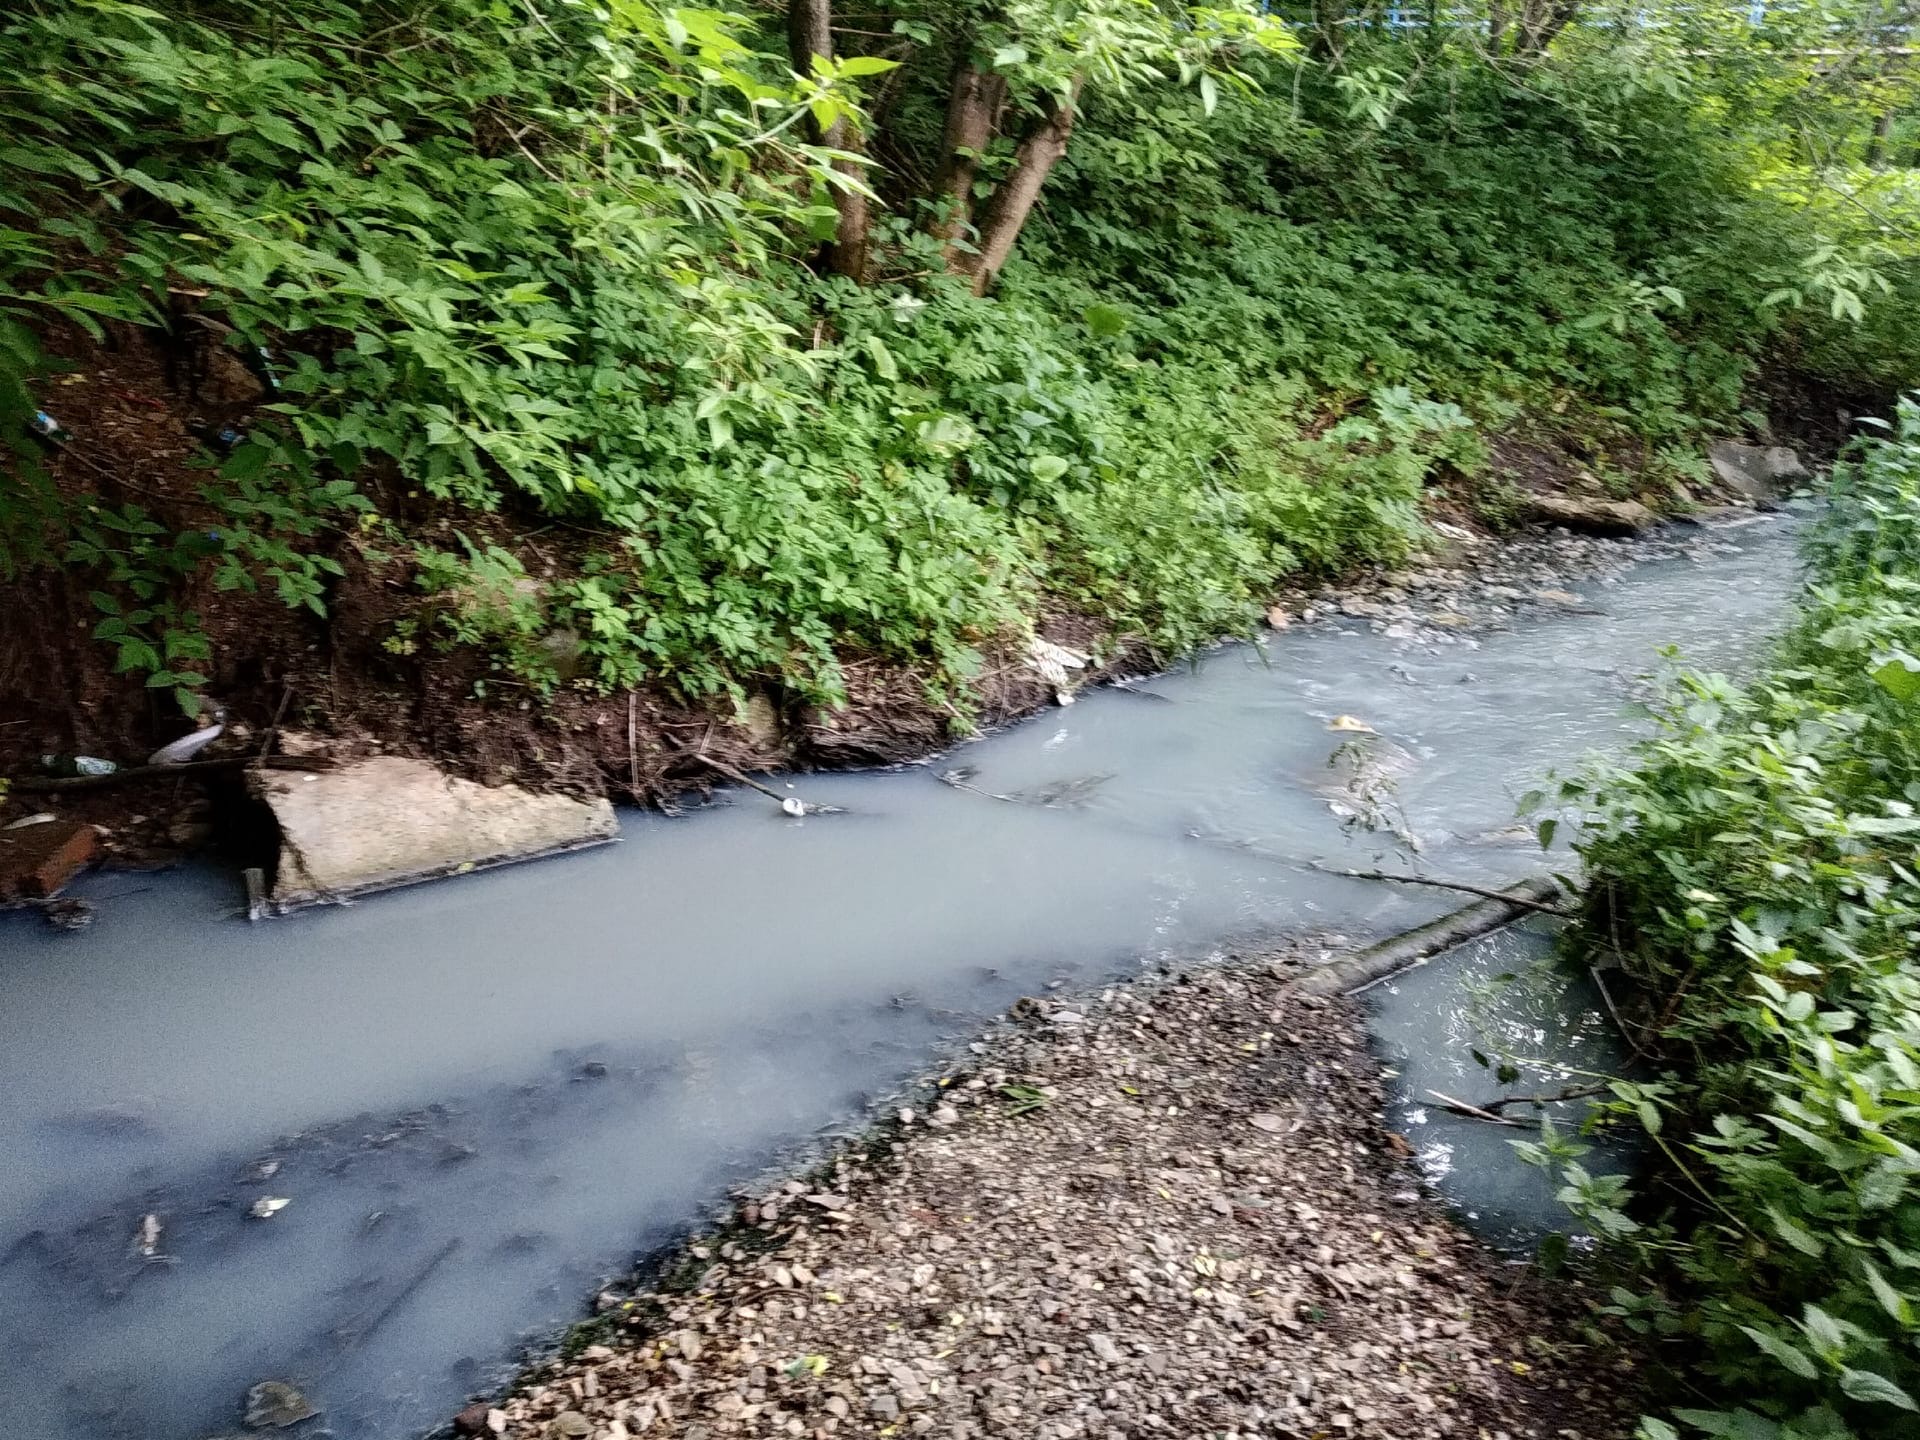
{"x":380,"y":823}
{"x":1758,"y":473}
{"x":1595,"y":517}
{"x":37,"y":860}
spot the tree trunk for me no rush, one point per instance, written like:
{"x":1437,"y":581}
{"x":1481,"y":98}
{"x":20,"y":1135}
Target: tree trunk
{"x":1877,"y":140}
{"x":973,"y":109}
{"x":1540,"y":25}
{"x":810,"y":33}
{"x":1013,"y":199}
{"x":1496,"y":26}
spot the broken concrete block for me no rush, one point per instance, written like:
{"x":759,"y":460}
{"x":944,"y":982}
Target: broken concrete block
{"x":37,"y":860}
{"x":385,"y":822}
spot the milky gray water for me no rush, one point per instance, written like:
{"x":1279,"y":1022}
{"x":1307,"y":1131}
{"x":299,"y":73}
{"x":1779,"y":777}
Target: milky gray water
{"x":483,"y":1097}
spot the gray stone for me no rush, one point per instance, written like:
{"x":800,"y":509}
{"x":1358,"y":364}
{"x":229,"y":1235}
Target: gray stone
{"x":388,"y":821}
{"x":274,"y":1404}
{"x":1595,"y":517}
{"x":562,"y":648}
{"x":761,"y":721}
{"x":1758,"y":473}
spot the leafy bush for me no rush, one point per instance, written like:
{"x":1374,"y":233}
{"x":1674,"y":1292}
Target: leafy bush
{"x":1756,"y":870}
{"x":559,"y":266}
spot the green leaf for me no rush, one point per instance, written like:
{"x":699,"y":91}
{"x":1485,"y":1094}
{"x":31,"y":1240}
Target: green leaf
{"x":1209,"y":93}
{"x":1009,"y":55}
{"x":884,"y":364}
{"x":1874,"y":1389}
{"x":1790,"y":1357}
{"x":857,"y":65}
{"x":1794,"y":1235}
{"x":1104,"y":320}
{"x":1891,"y":1300}
{"x":1900,"y":678}
{"x":1047,"y":467}
{"x":1824,"y":1331}
{"x":248,"y":462}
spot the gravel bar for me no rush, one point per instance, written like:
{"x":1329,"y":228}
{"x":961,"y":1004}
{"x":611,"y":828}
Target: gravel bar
{"x":1168,"y":1209}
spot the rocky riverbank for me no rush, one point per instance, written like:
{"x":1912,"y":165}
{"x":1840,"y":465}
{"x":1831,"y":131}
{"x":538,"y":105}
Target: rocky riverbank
{"x":1171,"y":1208}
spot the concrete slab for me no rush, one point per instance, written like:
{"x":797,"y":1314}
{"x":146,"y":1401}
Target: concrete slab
{"x":381,"y":823}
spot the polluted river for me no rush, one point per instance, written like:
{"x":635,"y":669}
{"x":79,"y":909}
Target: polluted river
{"x":481,"y":1099}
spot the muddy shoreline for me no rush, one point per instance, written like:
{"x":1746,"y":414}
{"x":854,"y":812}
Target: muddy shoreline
{"x":1171,"y":1206}
{"x":358,"y":687}
{"x":1471,"y":581}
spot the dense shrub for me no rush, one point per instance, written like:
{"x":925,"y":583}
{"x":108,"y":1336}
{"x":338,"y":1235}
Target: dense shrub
{"x":559,"y":264}
{"x":1756,"y":871}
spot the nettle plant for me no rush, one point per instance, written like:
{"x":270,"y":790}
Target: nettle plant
{"x":1756,"y":871}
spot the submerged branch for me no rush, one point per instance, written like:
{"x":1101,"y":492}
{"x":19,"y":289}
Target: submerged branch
{"x":1482,"y":891}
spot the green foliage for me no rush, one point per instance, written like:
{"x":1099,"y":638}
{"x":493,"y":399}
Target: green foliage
{"x":150,"y":632}
{"x":1756,"y":870}
{"x":550,"y":262}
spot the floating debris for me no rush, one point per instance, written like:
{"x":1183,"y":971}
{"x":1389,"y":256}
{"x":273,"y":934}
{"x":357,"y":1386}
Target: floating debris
{"x":268,"y":1206}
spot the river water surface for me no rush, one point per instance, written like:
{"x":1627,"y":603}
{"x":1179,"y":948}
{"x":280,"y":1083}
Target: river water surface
{"x":483,"y":1097}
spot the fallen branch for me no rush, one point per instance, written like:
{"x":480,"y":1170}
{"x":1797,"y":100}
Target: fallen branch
{"x":1639,"y":1052}
{"x":633,"y":756}
{"x":1572,"y":1092}
{"x":353,"y":1332}
{"x":1474,"y":1112}
{"x":953,"y":778}
{"x":1353,"y":973}
{"x":133,"y":774}
{"x":1483,"y":892}
{"x":273,"y":730}
{"x":791,"y":804}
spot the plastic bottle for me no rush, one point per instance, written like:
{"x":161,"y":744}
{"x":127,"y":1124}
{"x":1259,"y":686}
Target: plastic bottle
{"x":46,"y":428}
{"x":77,"y":765}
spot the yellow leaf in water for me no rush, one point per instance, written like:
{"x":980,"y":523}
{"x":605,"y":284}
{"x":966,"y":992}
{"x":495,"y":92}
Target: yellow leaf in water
{"x":1351,"y":722}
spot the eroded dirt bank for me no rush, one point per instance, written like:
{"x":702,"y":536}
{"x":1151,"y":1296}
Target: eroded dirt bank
{"x":1171,"y":1209}
{"x":370,"y":677}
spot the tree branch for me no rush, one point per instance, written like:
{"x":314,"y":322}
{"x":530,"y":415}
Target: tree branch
{"x":1483,"y":892}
